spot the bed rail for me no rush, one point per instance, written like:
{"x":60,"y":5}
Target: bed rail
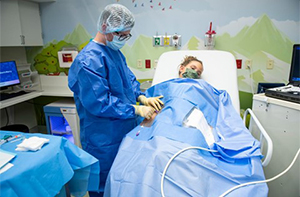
{"x":264,"y":137}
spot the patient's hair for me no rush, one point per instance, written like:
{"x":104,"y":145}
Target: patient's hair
{"x":187,"y":60}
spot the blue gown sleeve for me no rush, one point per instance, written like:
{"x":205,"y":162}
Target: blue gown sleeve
{"x":92,"y":89}
{"x":135,"y":84}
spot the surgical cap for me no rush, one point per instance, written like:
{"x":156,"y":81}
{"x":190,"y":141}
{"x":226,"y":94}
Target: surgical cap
{"x":117,"y":18}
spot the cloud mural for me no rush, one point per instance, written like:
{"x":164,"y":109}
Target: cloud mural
{"x":263,"y":31}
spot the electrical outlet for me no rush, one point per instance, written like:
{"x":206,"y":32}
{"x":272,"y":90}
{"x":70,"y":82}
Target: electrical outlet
{"x":248,"y":64}
{"x":238,"y":63}
{"x":139,"y":64}
{"x":270,"y":64}
{"x":147,"y":63}
{"x":155,"y":64}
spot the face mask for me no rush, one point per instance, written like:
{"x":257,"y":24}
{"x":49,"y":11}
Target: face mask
{"x":190,"y":73}
{"x":115,"y":44}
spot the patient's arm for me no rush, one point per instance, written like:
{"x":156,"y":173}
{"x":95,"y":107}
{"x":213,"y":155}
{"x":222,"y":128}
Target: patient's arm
{"x":148,"y":122}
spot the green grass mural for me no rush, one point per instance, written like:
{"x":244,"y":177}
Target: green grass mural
{"x":260,"y":42}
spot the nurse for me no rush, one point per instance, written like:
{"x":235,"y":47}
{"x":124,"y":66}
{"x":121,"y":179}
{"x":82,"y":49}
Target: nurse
{"x":106,"y":91}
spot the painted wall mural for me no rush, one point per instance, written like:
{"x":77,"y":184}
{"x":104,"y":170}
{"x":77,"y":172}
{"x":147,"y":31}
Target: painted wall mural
{"x":257,"y":34}
{"x":46,"y":61}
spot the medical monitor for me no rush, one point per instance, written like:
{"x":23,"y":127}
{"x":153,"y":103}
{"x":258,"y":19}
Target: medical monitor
{"x":8,"y":74}
{"x":295,"y":66}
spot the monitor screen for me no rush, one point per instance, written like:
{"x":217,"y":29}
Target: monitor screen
{"x":295,"y":66}
{"x":8,"y":74}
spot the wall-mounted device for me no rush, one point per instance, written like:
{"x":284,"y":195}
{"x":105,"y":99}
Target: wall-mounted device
{"x":66,"y":56}
{"x":209,"y":41}
{"x":176,"y":40}
{"x":29,"y":79}
{"x":157,"y":41}
{"x":166,"y":40}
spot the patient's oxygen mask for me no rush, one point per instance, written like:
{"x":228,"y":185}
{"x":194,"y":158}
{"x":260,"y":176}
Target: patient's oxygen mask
{"x":190,"y":73}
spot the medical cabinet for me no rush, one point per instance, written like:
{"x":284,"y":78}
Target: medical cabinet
{"x":281,"y":120}
{"x":62,"y":120}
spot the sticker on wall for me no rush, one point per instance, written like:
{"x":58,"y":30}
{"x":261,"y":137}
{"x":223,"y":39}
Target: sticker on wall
{"x":47,"y":61}
{"x":152,"y":5}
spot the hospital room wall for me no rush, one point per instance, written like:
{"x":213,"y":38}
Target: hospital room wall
{"x":257,"y":31}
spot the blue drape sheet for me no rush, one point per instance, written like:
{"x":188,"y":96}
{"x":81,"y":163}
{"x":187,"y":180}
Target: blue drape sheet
{"x":142,"y":158}
{"x":46,"y":171}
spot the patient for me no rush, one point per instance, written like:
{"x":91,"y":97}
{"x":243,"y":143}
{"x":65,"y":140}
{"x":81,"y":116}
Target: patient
{"x":145,"y":151}
{"x":191,"y":67}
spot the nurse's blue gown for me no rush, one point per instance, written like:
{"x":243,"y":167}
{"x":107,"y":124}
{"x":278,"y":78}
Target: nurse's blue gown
{"x":104,"y":91}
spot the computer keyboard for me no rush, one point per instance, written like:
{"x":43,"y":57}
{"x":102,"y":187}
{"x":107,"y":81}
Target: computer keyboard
{"x":4,"y":96}
{"x":288,"y":88}
{"x":289,"y":93}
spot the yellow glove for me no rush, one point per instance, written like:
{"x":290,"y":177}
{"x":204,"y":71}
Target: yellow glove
{"x":154,"y":102}
{"x":143,"y":111}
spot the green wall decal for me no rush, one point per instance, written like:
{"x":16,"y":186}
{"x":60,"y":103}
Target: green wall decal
{"x":46,"y":60}
{"x":259,"y":42}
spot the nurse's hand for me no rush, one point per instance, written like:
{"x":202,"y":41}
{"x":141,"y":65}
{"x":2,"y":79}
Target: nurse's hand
{"x":143,"y":111}
{"x":154,"y":102}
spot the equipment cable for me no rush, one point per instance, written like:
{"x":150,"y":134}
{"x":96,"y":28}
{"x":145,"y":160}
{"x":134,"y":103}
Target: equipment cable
{"x":172,"y":158}
{"x":7,"y":117}
{"x":263,"y":181}
{"x":233,"y":188}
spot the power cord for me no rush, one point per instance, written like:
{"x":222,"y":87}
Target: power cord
{"x":251,"y":79}
{"x":172,"y":158}
{"x":233,"y":188}
{"x":7,"y":117}
{"x":263,"y":181}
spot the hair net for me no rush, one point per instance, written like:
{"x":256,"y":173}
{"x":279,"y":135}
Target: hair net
{"x":117,"y":18}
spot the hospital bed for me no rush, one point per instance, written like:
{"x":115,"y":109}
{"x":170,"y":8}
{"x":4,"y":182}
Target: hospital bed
{"x":219,"y":71}
{"x":197,"y":114}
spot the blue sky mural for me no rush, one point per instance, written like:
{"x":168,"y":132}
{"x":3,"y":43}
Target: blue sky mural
{"x":251,"y":30}
{"x":186,"y":17}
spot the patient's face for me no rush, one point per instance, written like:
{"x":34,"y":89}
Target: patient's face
{"x":195,"y":65}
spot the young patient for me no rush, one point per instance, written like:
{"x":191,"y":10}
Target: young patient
{"x":190,"y":67}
